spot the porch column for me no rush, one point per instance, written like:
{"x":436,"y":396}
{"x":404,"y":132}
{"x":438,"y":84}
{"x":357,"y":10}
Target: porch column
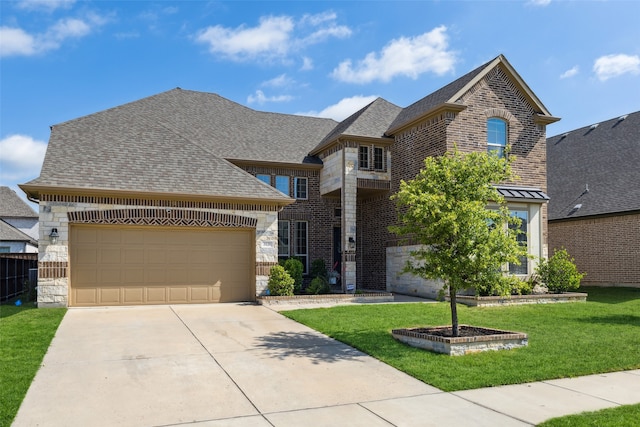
{"x":348,"y":196}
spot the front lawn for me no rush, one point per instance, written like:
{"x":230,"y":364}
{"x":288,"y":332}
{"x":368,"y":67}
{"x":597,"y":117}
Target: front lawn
{"x":627,"y":415}
{"x":565,"y":340}
{"x":25,"y":335}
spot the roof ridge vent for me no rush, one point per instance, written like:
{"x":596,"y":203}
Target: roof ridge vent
{"x":621,"y":118}
{"x":595,"y":125}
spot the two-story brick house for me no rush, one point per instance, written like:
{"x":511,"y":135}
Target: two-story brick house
{"x":187,"y":197}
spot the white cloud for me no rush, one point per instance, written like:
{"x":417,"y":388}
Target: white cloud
{"x":46,"y":5}
{"x":409,"y":57}
{"x":16,"y":41}
{"x":343,"y":109}
{"x":261,"y":98}
{"x":570,"y":73}
{"x":609,"y":66}
{"x":275,"y":37}
{"x":21,"y":157}
{"x":307,"y":64}
{"x":280,"y":81}
{"x":541,"y":3}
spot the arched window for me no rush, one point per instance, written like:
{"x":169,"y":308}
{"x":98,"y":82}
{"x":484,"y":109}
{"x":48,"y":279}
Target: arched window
{"x":496,"y":136}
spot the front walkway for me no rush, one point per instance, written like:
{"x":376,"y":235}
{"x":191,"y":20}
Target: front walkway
{"x":246,"y":365}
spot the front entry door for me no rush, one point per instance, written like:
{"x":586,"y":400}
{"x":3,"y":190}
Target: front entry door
{"x":337,"y":251}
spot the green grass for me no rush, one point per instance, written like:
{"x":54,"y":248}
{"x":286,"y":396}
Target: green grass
{"x":25,"y":335}
{"x":565,"y":340}
{"x":612,"y":417}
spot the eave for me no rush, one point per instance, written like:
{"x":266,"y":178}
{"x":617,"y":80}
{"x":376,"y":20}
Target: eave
{"x":34,"y":191}
{"x":381,"y":141}
{"x":269,"y":164}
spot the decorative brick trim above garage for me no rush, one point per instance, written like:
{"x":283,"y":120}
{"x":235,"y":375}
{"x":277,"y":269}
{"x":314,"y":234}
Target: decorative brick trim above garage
{"x":183,"y":218}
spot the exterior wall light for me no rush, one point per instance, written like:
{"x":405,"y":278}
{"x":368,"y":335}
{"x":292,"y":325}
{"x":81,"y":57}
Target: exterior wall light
{"x":352,"y":244}
{"x":53,"y":236}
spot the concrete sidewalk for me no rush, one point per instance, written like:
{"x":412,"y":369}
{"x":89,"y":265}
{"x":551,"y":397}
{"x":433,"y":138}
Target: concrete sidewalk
{"x":246,"y":365}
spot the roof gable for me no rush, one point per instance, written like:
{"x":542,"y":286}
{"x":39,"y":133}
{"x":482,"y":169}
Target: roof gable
{"x":449,"y":96}
{"x":371,"y":121}
{"x":12,"y":206}
{"x":9,"y":233}
{"x":594,"y":170}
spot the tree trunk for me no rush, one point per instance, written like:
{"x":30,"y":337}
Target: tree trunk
{"x":454,"y":312}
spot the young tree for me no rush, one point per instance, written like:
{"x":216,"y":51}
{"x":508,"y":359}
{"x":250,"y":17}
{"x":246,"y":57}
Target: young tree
{"x":463,"y":241}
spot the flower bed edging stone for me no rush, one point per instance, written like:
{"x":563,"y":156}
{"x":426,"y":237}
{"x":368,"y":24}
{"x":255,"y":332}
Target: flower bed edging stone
{"x":459,"y":346}
{"x":493,"y":301}
{"x":367,"y":297}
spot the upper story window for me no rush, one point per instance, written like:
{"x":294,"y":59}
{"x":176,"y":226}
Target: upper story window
{"x":282,"y":184}
{"x":300,"y":188}
{"x":371,"y":158}
{"x":496,"y":136}
{"x":264,"y":178}
{"x":363,"y":157}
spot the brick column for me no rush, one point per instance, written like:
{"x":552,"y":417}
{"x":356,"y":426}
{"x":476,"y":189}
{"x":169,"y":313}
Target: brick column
{"x":349,"y":203}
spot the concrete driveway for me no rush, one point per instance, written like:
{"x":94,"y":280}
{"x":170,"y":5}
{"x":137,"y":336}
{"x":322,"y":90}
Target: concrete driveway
{"x":223,"y":365}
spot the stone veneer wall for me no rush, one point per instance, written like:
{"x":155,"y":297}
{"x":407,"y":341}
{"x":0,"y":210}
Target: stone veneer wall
{"x":59,"y":211}
{"x":606,"y":248}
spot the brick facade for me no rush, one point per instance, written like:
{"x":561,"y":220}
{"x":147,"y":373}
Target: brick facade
{"x":493,"y":96}
{"x":606,"y":248}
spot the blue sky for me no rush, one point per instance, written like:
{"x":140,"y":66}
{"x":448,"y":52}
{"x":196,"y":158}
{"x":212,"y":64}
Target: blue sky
{"x":63,"y":59}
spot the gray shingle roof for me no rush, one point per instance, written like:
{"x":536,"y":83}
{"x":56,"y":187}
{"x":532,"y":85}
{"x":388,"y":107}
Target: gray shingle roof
{"x":594,"y":170}
{"x":9,"y":233}
{"x":12,"y":206}
{"x":370,"y":121}
{"x":176,"y":142}
{"x":436,"y":98}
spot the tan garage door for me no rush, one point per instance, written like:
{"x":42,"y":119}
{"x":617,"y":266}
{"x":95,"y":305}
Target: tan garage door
{"x":125,"y":265}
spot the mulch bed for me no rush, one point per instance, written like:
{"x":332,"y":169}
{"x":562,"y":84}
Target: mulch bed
{"x":464,"y":331}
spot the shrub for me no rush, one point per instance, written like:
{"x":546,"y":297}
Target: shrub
{"x":559,"y":273}
{"x":319,"y":268}
{"x":280,"y":282}
{"x":520,"y":287}
{"x":295,"y":268}
{"x":318,"y":285}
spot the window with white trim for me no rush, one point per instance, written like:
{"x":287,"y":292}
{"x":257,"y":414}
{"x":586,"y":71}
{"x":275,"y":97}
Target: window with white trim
{"x":496,"y":136}
{"x":522,"y":237}
{"x":371,"y":157}
{"x":283,"y":240}
{"x":301,"y":243}
{"x":300,"y":188}
{"x":363,"y":157}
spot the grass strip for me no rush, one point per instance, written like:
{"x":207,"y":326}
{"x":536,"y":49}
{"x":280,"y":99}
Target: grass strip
{"x":628,"y":415}
{"x":25,"y":335}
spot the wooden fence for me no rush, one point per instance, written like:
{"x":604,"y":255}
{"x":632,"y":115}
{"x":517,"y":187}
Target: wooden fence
{"x":14,"y":273}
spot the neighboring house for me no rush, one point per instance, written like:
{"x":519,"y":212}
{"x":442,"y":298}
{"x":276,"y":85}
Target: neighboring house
{"x":18,"y":224}
{"x":594,"y":212}
{"x":188,"y":197}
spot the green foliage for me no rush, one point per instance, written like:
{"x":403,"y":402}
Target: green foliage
{"x":318,"y":285}
{"x":445,"y":208}
{"x":280,"y":282}
{"x":319,"y":268}
{"x":295,"y":269}
{"x":507,"y":285}
{"x":560,"y":273}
